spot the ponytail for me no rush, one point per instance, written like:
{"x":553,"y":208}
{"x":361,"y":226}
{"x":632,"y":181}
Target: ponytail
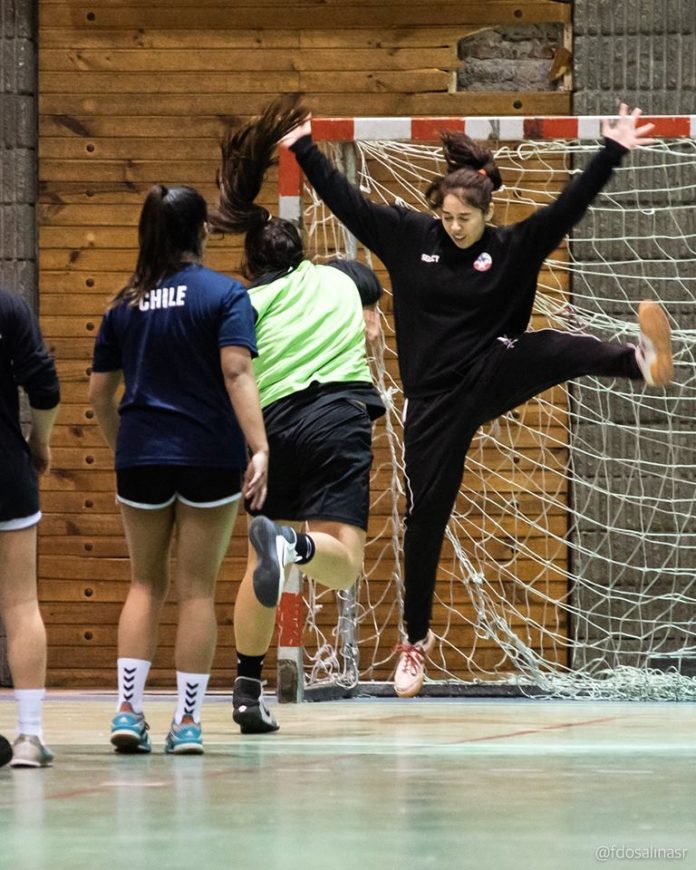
{"x":170,"y":231}
{"x":471,"y":172}
{"x":247,"y":153}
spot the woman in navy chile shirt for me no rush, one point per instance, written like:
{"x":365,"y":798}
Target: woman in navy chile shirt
{"x":181,"y":337}
{"x":463,"y":296}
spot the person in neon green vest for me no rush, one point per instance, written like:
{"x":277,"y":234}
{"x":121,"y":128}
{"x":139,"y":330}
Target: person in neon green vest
{"x":318,"y":404}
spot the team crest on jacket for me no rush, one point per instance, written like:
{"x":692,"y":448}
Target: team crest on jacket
{"x":483,"y":262}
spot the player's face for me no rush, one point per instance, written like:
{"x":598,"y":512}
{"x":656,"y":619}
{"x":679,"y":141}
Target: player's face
{"x":463,"y":223}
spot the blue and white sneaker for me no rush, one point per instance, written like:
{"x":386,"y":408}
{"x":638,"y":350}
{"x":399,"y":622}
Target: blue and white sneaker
{"x":185,"y":738}
{"x":275,"y":548}
{"x":129,"y":731}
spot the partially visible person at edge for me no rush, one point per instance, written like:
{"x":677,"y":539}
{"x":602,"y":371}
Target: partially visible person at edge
{"x":463,"y":294}
{"x":182,"y":338}
{"x":24,"y":362}
{"x":318,"y":405}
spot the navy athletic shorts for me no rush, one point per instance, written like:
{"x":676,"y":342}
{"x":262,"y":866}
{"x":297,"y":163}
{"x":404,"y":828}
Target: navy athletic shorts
{"x":320,"y":459}
{"x":157,"y":486}
{"x":19,"y":492}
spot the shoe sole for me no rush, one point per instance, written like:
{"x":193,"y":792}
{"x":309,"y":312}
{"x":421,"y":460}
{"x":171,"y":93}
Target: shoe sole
{"x":128,"y":743}
{"x":412,"y":691}
{"x":268,"y":574}
{"x":185,"y":749}
{"x":30,"y":764}
{"x":655,"y":326}
{"x":249,"y":723}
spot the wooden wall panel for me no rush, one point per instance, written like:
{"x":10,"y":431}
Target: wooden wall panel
{"x":138,"y":92}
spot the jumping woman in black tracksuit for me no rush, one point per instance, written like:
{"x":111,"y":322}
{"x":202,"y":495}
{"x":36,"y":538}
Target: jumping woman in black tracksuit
{"x":463,"y":296}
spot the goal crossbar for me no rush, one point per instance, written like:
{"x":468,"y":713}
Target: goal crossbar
{"x":500,"y":128}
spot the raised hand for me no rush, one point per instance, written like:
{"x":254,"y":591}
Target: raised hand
{"x":624,"y":129}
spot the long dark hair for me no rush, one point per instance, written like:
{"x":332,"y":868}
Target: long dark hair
{"x":471,"y":175}
{"x":247,"y":152}
{"x":169,"y":232}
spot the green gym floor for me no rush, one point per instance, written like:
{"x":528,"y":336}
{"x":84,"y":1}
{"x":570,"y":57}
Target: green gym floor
{"x":362,"y":784}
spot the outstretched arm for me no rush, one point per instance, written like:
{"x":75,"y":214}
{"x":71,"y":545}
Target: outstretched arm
{"x":544,"y":230}
{"x":376,"y":226}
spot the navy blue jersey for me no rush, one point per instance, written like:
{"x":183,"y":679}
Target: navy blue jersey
{"x":25,"y":362}
{"x":175,"y":409}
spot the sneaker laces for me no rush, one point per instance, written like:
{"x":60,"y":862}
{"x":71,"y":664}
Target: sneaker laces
{"x":413,"y":656}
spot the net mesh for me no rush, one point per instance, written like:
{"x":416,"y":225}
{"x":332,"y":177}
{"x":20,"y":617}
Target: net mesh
{"x":569,"y":563}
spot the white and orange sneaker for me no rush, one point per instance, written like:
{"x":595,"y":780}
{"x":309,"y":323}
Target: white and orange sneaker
{"x":654,"y":351}
{"x":410,"y":671}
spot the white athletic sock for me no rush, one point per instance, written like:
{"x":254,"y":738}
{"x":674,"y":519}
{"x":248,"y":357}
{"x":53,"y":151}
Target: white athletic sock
{"x":191,"y":690}
{"x":132,"y":674}
{"x":30,"y":711}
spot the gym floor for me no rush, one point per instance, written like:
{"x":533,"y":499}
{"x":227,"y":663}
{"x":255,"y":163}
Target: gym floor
{"x":361,"y":784}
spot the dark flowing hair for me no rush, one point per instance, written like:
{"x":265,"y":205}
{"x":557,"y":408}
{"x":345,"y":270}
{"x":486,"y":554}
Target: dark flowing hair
{"x":248,"y":151}
{"x":472,"y":174}
{"x":170,"y":232}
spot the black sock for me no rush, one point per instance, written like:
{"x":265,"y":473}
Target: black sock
{"x":249,"y":666}
{"x":417,"y":634}
{"x":305,"y":548}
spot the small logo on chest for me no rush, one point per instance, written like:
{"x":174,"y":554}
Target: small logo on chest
{"x":430,"y":258}
{"x":483,"y":262}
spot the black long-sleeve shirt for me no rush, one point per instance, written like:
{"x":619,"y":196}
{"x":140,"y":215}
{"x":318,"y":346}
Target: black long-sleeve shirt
{"x":450,"y":304}
{"x":25,"y":362}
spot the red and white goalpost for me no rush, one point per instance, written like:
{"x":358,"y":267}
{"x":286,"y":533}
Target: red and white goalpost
{"x":569,"y":567}
{"x":501,"y":129}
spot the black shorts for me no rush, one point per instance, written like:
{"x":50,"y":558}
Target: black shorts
{"x":157,"y":486}
{"x":320,"y":464}
{"x":19,"y":492}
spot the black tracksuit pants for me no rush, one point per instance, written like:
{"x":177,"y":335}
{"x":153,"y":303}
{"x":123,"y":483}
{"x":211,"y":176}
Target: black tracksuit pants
{"x":438,"y":431}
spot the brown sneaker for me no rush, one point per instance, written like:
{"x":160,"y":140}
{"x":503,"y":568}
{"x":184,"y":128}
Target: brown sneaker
{"x":410,"y":670}
{"x":654,"y":351}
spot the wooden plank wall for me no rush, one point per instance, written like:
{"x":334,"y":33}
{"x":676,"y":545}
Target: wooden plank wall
{"x":133,"y":93}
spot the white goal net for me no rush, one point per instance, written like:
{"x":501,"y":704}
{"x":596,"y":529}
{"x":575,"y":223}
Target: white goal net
{"x":569,"y":566}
